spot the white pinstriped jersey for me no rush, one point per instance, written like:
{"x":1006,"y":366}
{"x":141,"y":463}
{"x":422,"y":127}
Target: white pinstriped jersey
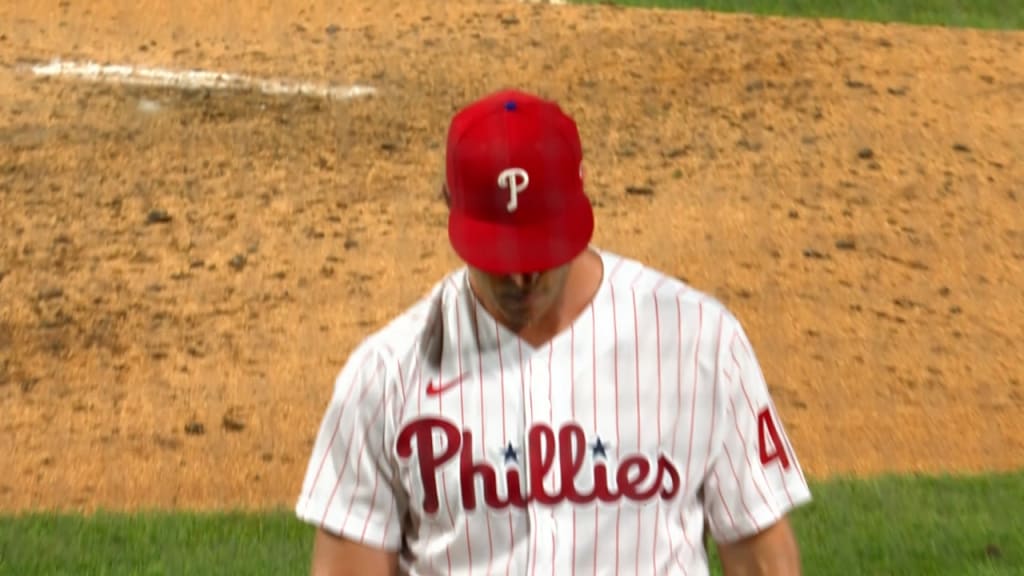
{"x":601,"y":452}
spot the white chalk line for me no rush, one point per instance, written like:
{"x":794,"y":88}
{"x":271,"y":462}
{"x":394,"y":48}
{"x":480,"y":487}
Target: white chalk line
{"x":194,"y":79}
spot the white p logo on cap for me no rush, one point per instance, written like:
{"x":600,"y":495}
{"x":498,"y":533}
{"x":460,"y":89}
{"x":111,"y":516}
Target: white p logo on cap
{"x":515,"y":180}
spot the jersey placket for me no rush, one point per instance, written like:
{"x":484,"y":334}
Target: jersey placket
{"x":538,"y":410}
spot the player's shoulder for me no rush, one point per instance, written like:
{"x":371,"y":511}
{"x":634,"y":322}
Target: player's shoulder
{"x":394,"y":346}
{"x":649,"y":284}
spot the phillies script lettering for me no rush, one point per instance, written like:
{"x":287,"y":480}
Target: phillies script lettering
{"x":635,"y":477}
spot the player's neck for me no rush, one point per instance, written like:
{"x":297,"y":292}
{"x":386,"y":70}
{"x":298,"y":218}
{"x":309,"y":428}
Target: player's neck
{"x":582,"y":284}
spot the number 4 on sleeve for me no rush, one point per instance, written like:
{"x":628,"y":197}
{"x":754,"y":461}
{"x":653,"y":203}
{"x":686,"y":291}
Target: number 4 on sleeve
{"x":769,"y":442}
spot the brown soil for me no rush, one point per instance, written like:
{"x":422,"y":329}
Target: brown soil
{"x":853,"y":192}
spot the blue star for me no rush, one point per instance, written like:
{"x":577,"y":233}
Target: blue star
{"x":510,"y":454}
{"x":598,"y":448}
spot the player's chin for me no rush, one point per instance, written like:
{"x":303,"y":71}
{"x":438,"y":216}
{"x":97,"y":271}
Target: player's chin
{"x":516,"y":314}
{"x":519,"y":307}
{"x":519,"y":315}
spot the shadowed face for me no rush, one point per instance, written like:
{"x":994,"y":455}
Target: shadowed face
{"x":519,"y":300}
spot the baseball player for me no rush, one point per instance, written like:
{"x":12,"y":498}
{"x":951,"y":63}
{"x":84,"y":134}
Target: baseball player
{"x":551,"y":407}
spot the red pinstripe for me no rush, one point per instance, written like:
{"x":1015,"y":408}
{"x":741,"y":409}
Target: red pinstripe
{"x":398,"y":364}
{"x":789,"y":450}
{"x":572,"y":408}
{"x":384,"y":448}
{"x":782,"y":474}
{"x":615,"y":335}
{"x":462,"y":417}
{"x":483,"y":420}
{"x":714,"y":409}
{"x":504,"y":435}
{"x":657,"y":506}
{"x":636,"y":352}
{"x":593,"y":334}
{"x":387,"y":523}
{"x":348,"y":451}
{"x":721,"y":497}
{"x":522,"y":380}
{"x":785,"y":438}
{"x":451,"y":518}
{"x":714,"y":394}
{"x":434,"y":331}
{"x":444,"y":475}
{"x":411,"y":384}
{"x":504,"y":441}
{"x":403,"y":386}
{"x":376,"y":476}
{"x":639,"y":442}
{"x":551,"y":419}
{"x":419,"y":377}
{"x":693,"y":407}
{"x":739,"y":372}
{"x":618,"y":412}
{"x":501,"y":368}
{"x":337,"y":425}
{"x":753,"y":412}
{"x":739,"y":486}
{"x":359,"y":466}
{"x":618,"y":438}
{"x":746,"y":454}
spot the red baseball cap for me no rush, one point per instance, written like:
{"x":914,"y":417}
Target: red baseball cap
{"x":515,"y":183}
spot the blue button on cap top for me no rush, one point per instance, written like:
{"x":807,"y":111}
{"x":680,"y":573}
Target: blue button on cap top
{"x":510,"y":105}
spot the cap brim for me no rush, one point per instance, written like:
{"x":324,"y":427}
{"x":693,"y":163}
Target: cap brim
{"x":506,"y":249}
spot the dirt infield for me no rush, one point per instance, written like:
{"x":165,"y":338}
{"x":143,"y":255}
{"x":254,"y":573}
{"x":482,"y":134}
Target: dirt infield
{"x":182,"y":273}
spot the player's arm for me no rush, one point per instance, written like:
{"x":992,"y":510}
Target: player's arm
{"x":773,"y":551}
{"x":338,"y":556}
{"x":754,"y":479}
{"x":350,"y":492}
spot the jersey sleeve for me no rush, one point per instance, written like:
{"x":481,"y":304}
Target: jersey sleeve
{"x":754,"y":478}
{"x":350,"y":486}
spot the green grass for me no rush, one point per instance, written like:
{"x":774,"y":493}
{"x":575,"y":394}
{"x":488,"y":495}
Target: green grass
{"x":153,"y":544}
{"x":895,"y":525}
{"x":996,"y":14}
